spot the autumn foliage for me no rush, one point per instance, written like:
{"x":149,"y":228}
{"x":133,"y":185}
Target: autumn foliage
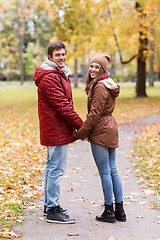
{"x":147,"y":152}
{"x":22,"y":158}
{"x":21,"y":155}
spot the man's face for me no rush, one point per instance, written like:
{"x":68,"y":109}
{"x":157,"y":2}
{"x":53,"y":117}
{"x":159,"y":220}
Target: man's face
{"x":59,"y":57}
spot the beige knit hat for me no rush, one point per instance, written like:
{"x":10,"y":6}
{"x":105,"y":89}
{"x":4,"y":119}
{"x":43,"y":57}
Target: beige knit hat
{"x":102,"y":59}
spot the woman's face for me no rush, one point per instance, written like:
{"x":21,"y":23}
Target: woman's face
{"x":94,"y":70}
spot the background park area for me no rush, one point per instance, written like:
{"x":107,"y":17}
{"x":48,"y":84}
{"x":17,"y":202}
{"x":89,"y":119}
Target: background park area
{"x":22,"y":158}
{"x":129,"y":32}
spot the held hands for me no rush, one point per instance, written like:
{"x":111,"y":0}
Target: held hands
{"x":80,"y":134}
{"x":84,"y":139}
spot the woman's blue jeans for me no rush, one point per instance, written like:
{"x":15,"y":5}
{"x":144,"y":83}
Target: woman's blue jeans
{"x":105,"y":159}
{"x":55,"y":168}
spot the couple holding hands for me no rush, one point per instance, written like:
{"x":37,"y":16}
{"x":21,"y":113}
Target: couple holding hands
{"x":61,"y":125}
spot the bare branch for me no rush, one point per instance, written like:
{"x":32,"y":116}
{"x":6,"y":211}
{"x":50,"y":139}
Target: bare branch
{"x":117,"y":44}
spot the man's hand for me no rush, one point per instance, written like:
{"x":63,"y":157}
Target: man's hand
{"x":84,"y":139}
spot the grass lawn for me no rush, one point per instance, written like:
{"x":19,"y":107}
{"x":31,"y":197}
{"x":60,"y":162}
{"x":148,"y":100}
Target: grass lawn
{"x":22,"y":158}
{"x":128,"y":107}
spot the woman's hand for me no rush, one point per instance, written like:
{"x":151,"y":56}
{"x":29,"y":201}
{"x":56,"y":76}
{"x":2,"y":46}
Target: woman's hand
{"x":81,"y":134}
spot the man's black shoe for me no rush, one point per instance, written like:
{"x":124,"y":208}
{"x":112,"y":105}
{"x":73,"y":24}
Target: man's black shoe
{"x":45,"y":211}
{"x":55,"y":215}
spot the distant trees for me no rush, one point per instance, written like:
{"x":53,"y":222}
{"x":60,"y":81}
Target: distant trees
{"x":24,"y":25}
{"x":130,"y":28}
{"x":74,"y":24}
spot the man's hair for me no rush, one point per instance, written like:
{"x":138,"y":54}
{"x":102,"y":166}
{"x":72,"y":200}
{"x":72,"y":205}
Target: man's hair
{"x":55,"y":45}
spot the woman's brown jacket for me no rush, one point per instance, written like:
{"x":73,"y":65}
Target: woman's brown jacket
{"x":100,"y":126}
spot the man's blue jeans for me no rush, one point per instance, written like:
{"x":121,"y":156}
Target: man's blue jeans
{"x":55,"y":167}
{"x":105,"y":159}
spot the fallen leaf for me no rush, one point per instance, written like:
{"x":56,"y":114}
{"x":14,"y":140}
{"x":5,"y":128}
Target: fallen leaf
{"x":75,"y":184}
{"x":142,"y":203}
{"x":127,"y":203}
{"x":111,"y":238}
{"x":41,"y":218}
{"x":73,"y":234}
{"x":129,"y":157}
{"x":139,"y":217}
{"x":89,"y":212}
{"x":98,"y":224}
{"x":128,"y":197}
{"x":147,"y":206}
{"x":31,"y":207}
{"x":7,"y":233}
{"x":148,"y":191}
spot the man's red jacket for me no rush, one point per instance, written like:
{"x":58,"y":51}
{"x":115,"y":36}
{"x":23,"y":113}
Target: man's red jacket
{"x":57,"y":118}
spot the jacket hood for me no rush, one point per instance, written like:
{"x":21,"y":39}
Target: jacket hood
{"x":113,"y":88}
{"x":40,"y":72}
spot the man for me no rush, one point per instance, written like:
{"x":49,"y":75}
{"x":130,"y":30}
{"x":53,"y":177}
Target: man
{"x":58,"y":121}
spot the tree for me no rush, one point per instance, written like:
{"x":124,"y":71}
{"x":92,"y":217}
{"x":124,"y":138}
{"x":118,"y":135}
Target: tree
{"x":8,"y":41}
{"x":129,"y":23}
{"x":141,"y":54}
{"x":74,"y":21}
{"x":23,"y":23}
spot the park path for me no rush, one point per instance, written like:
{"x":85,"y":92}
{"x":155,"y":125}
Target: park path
{"x":82,"y":195}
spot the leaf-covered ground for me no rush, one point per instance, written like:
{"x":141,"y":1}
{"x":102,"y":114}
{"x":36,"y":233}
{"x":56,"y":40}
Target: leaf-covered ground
{"x":147,"y":152}
{"x":22,"y":158}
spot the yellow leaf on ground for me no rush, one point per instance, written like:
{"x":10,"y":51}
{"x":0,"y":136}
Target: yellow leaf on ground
{"x":73,"y":234}
{"x":7,"y":233}
{"x":139,"y":217}
{"x":111,"y":238}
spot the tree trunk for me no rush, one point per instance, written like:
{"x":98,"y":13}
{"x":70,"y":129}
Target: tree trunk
{"x":159,"y":75}
{"x":151,"y":71}
{"x":21,"y":59}
{"x":141,"y":66}
{"x":141,"y":78}
{"x":151,"y":60}
{"x":141,"y":69}
{"x":141,"y":61}
{"x":75,"y":73}
{"x":20,"y":34}
{"x":8,"y":77}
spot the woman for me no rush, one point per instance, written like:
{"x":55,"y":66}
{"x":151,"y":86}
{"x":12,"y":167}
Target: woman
{"x":101,"y":129}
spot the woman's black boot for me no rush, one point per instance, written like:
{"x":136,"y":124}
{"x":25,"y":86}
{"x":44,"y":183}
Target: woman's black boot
{"x":108,"y":215}
{"x":119,"y":212}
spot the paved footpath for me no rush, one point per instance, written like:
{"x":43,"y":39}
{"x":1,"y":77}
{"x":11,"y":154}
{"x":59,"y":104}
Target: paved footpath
{"x":82,"y":195}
